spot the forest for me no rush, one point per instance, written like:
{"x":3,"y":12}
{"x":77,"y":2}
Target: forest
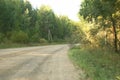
{"x":99,"y":24}
{"x":22,"y":24}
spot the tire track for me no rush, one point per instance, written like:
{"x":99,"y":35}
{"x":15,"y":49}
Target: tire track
{"x":17,"y":53}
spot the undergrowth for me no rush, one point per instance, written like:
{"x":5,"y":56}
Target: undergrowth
{"x":98,"y":64}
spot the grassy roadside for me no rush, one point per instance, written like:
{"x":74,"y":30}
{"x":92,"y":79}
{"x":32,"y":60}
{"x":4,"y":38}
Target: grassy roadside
{"x":97,"y":64}
{"x":18,"y":45}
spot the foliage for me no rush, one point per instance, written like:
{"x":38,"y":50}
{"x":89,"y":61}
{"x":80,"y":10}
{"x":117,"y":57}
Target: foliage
{"x":19,"y":37}
{"x":77,"y":35}
{"x":18,"y":19}
{"x":42,"y":40}
{"x":35,"y":38}
{"x":102,"y":13}
{"x":1,"y":37}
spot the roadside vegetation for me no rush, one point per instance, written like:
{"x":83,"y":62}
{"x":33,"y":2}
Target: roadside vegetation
{"x":17,"y":45}
{"x":96,"y":63}
{"x":99,"y":52}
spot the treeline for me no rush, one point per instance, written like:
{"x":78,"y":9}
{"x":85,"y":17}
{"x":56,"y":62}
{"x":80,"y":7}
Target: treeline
{"x":21,"y":23}
{"x":103,"y":17}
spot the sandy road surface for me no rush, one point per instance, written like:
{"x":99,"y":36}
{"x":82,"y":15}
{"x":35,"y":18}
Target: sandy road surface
{"x":37,"y":63}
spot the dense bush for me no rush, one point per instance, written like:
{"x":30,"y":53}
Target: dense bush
{"x":42,"y":40}
{"x":1,"y":37}
{"x":19,"y":37}
{"x":35,"y":38}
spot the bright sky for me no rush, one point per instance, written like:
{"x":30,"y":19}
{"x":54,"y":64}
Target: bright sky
{"x":69,"y":8}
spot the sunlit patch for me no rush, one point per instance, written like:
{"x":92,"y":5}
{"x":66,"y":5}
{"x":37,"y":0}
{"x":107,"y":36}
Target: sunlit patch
{"x":1,"y":58}
{"x":38,"y":54}
{"x":21,"y":79}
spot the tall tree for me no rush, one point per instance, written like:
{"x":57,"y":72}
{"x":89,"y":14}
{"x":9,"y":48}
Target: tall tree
{"x":92,"y":9}
{"x":46,"y":22}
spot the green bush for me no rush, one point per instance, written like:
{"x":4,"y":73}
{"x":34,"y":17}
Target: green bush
{"x":42,"y":40}
{"x":19,"y":37}
{"x":1,"y":37}
{"x":35,"y":38}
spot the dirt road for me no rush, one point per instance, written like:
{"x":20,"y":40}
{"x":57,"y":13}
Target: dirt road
{"x":37,"y":63}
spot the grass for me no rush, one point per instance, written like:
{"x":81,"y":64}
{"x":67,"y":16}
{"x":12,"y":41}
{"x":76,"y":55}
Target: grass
{"x":14,"y":45}
{"x":97,"y":64}
{"x":18,"y":45}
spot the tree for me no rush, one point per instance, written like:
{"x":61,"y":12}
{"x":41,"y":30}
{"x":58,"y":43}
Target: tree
{"x":6,"y":13}
{"x":64,"y":27}
{"x":46,"y":22}
{"x":107,"y":9}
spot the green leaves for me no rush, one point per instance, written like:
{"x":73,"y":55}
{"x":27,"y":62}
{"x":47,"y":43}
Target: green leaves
{"x":19,"y":37}
{"x":95,"y":8}
{"x":18,"y":19}
{"x":108,"y":10}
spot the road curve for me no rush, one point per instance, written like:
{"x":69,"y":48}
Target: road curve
{"x":37,"y":63}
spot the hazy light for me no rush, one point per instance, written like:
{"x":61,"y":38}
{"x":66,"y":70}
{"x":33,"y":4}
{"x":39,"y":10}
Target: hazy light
{"x":69,"y":8}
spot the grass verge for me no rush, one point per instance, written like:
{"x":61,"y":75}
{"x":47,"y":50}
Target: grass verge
{"x":97,"y":64}
{"x":18,"y":45}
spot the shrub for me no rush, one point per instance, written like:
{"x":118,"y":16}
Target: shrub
{"x":1,"y":37}
{"x":35,"y":38}
{"x":42,"y":40}
{"x":19,"y":37}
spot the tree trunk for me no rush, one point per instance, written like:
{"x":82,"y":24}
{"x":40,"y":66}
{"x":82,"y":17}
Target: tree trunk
{"x":115,"y":35}
{"x":49,"y":35}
